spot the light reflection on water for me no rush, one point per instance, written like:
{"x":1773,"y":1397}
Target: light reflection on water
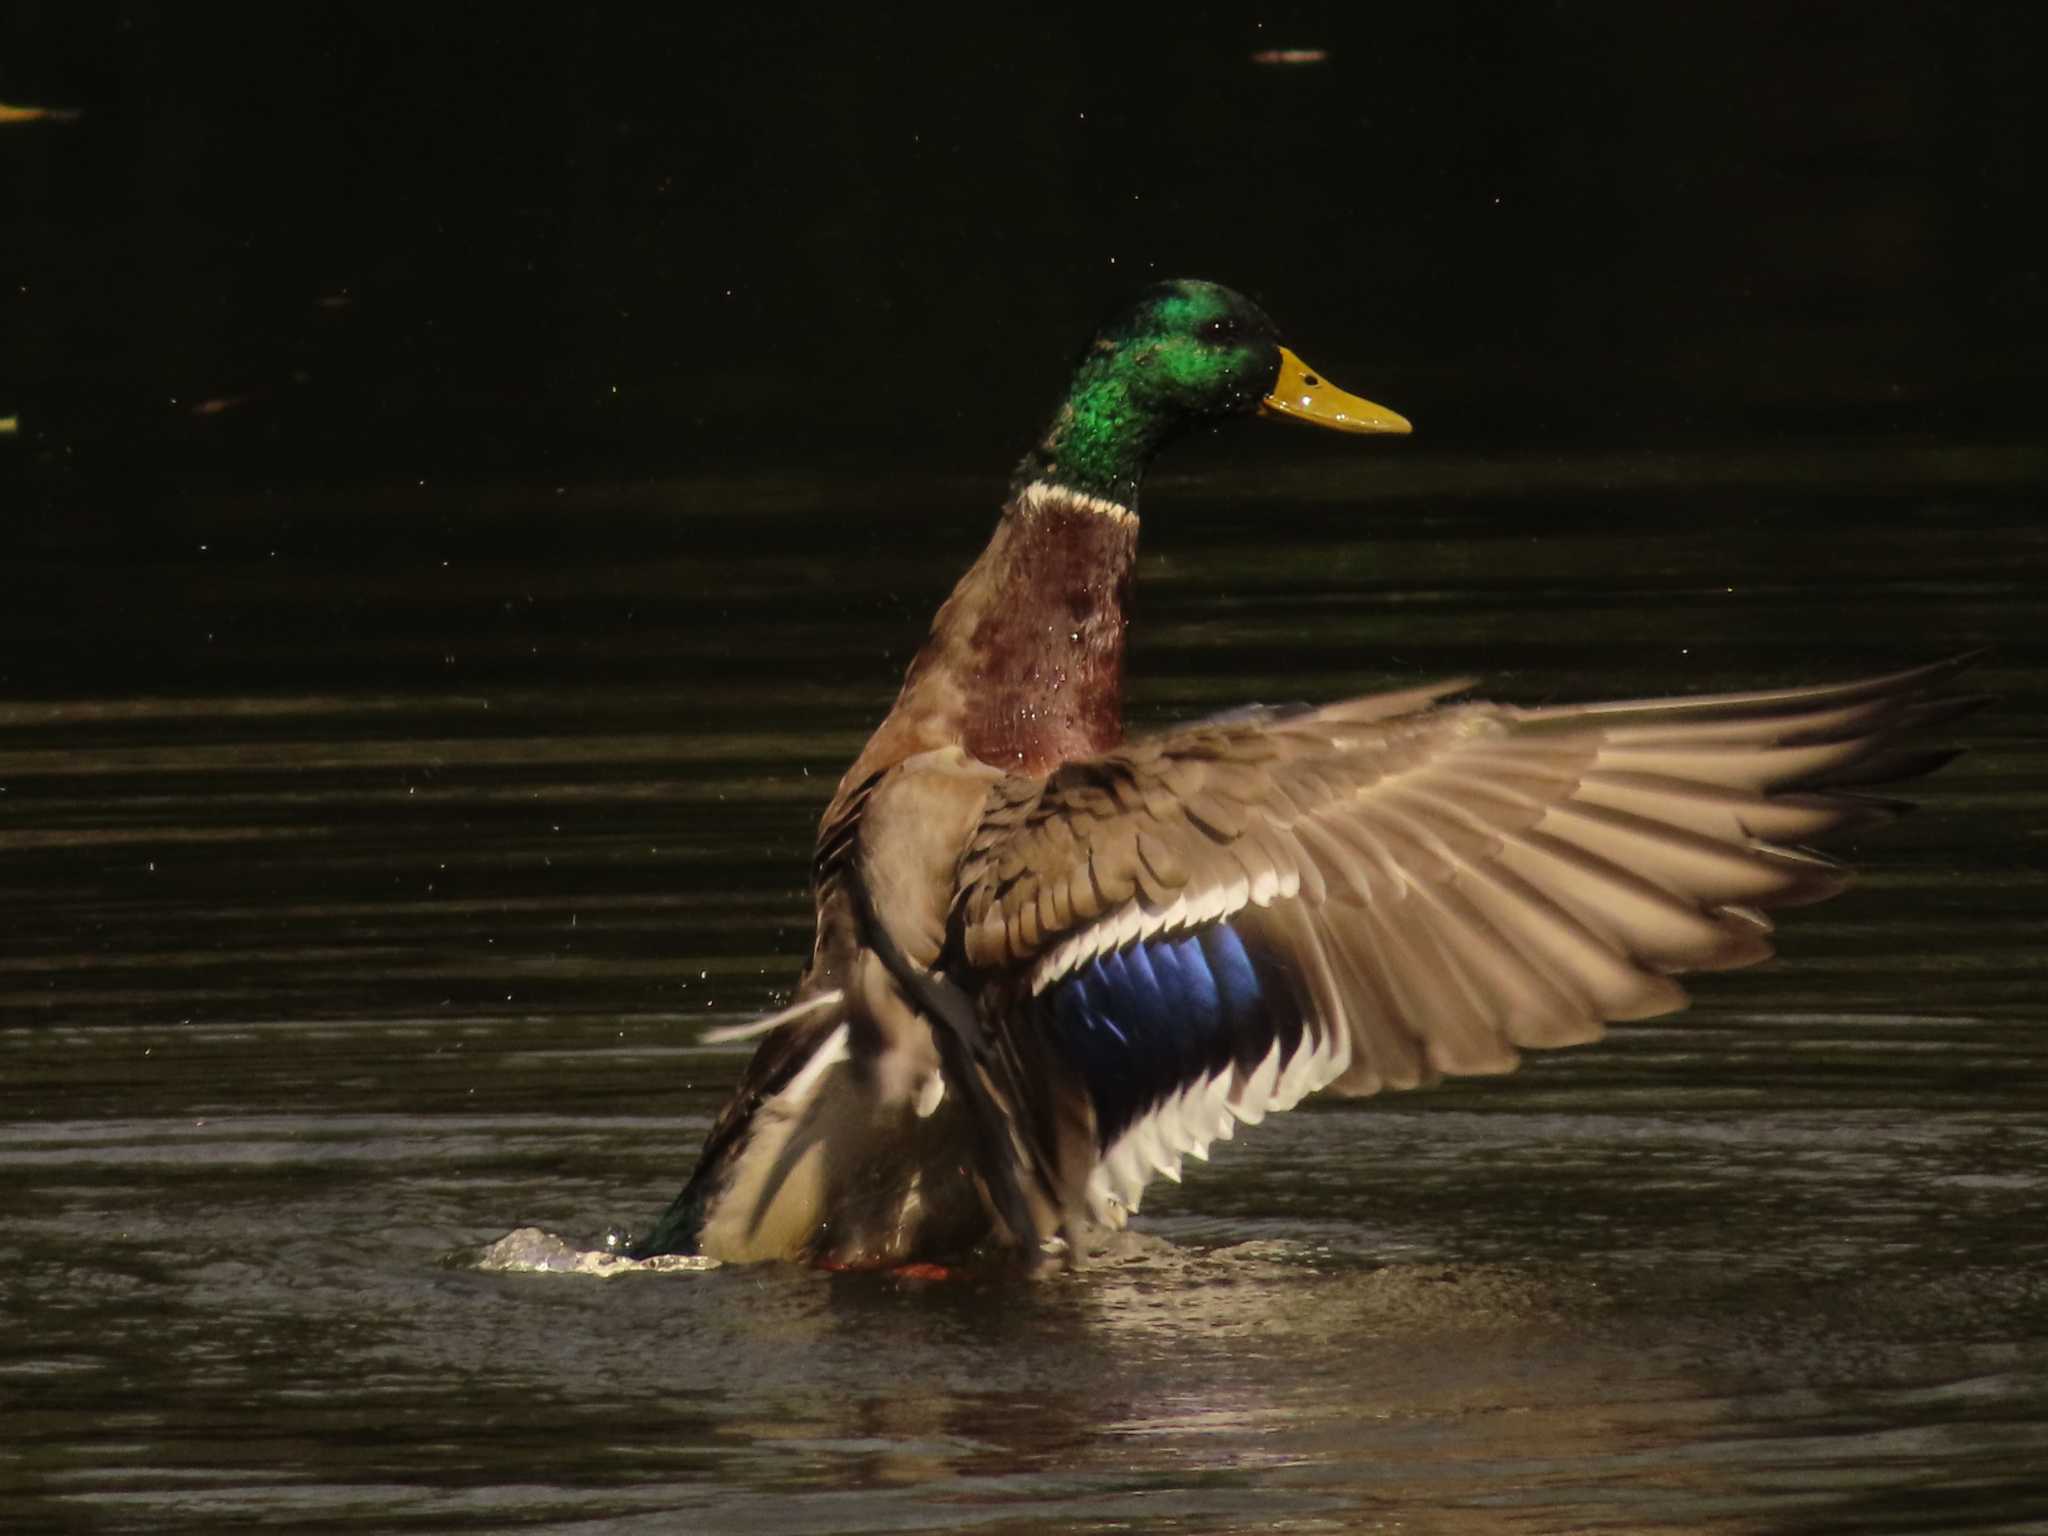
{"x":328,"y":957}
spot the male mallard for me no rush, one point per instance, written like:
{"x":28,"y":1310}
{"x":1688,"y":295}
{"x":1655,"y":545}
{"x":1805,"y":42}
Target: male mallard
{"x":1049,"y":965}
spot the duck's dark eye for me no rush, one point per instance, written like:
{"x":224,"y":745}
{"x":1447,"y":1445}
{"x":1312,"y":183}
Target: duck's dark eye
{"x":1225,"y":329}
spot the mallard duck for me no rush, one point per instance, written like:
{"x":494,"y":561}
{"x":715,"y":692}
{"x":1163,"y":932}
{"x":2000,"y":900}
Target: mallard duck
{"x":1051,"y":964}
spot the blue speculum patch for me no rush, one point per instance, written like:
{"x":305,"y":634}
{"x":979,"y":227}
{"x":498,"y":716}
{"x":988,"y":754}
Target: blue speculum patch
{"x":1144,"y":1022}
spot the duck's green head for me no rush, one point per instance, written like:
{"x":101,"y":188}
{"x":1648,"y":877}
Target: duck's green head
{"x":1187,"y":352}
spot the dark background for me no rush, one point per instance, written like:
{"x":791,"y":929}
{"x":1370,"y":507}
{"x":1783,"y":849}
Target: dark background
{"x":319,"y":244}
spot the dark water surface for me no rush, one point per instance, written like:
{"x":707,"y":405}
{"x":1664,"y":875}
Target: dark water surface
{"x":366,"y":893}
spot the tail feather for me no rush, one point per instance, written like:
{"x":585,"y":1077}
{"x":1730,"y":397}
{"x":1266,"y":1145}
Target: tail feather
{"x":793,"y":1036}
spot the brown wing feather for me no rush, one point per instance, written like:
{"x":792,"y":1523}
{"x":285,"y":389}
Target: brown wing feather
{"x":1452,"y":882}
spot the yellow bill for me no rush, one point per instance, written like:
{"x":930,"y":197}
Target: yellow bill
{"x":1305,"y":395}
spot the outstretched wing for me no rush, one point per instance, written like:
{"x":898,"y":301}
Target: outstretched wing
{"x":1210,"y":924}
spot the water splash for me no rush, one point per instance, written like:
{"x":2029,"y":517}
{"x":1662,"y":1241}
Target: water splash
{"x":531,"y":1251}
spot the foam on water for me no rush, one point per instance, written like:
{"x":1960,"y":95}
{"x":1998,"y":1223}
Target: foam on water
{"x":532,"y":1251}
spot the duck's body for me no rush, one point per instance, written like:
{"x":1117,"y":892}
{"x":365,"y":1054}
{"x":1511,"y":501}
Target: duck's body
{"x":1047,"y":966}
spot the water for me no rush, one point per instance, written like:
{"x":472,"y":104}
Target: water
{"x":371,"y":871}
